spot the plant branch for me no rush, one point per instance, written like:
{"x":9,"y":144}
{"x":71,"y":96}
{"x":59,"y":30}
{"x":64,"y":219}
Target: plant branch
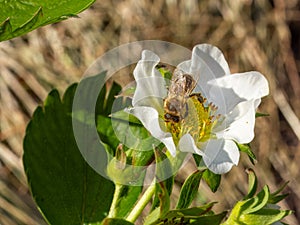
{"x":139,"y":207}
{"x":112,"y":211}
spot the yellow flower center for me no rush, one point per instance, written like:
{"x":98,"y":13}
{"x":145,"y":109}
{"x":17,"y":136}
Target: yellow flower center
{"x":198,"y":121}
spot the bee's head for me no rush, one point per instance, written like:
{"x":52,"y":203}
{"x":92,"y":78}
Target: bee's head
{"x":171,"y":118}
{"x":174,"y":104}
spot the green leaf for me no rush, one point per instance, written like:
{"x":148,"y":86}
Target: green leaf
{"x":65,"y":187}
{"x":197,"y":159}
{"x":106,"y":101}
{"x":168,"y":185}
{"x":209,"y":219}
{"x":267,"y":216}
{"x":165,"y":72}
{"x":112,"y":100}
{"x":127,"y":200}
{"x":261,"y":114}
{"x":193,"y":212}
{"x":122,"y":115}
{"x":275,"y":197}
{"x":131,"y":133}
{"x":153,"y":217}
{"x":195,"y":215}
{"x":246,"y":148}
{"x":164,"y":199}
{"x":163,"y":168}
{"x":115,"y":221}
{"x":259,"y":209}
{"x":280,"y":189}
{"x":134,"y":136}
{"x":107,"y":133}
{"x":212,"y":180}
{"x":20,"y":17}
{"x":164,"y":186}
{"x":189,"y":190}
{"x":258,"y":202}
{"x":252,"y":184}
{"x":135,"y":139}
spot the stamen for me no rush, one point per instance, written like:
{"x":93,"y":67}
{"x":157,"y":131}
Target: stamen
{"x":198,"y":121}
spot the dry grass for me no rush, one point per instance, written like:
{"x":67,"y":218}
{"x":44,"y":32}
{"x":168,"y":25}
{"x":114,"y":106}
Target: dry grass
{"x":254,"y":35}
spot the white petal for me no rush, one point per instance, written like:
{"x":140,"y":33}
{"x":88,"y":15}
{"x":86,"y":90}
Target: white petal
{"x":239,"y":124}
{"x":146,"y":66}
{"x":151,"y":86}
{"x":150,"y":119}
{"x":220,"y":155}
{"x":187,"y":144}
{"x":216,"y":54}
{"x":248,"y":85}
{"x":150,"y":92}
{"x":207,"y":63}
{"x":226,"y":92}
{"x":185,"y":66}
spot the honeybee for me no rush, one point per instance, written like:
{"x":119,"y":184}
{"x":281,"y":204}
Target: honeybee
{"x":180,"y":89}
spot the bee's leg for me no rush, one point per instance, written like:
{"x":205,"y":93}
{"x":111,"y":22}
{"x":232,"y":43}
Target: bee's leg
{"x":186,"y":111}
{"x":199,"y":97}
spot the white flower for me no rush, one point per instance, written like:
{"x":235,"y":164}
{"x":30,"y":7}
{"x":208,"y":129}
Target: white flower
{"x":214,"y":126}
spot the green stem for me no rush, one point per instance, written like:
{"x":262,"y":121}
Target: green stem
{"x":112,"y":211}
{"x":139,"y":207}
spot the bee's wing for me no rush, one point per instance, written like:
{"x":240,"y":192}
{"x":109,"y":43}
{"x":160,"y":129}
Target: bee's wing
{"x":177,"y":74}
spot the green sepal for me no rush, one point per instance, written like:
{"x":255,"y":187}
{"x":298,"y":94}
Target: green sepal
{"x":261,"y":114}
{"x":252,"y":184}
{"x":213,"y":180}
{"x":189,"y":190}
{"x":129,"y":174}
{"x":246,"y":148}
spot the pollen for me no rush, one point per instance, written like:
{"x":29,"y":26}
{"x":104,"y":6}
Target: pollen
{"x":199,"y":120}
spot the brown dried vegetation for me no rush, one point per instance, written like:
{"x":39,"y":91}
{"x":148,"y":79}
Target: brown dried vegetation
{"x":260,"y":35}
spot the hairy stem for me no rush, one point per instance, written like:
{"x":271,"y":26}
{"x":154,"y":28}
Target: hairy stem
{"x":112,"y":211}
{"x":139,"y":207}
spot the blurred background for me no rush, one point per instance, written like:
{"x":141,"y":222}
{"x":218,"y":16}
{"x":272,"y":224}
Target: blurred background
{"x":262,"y":35}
